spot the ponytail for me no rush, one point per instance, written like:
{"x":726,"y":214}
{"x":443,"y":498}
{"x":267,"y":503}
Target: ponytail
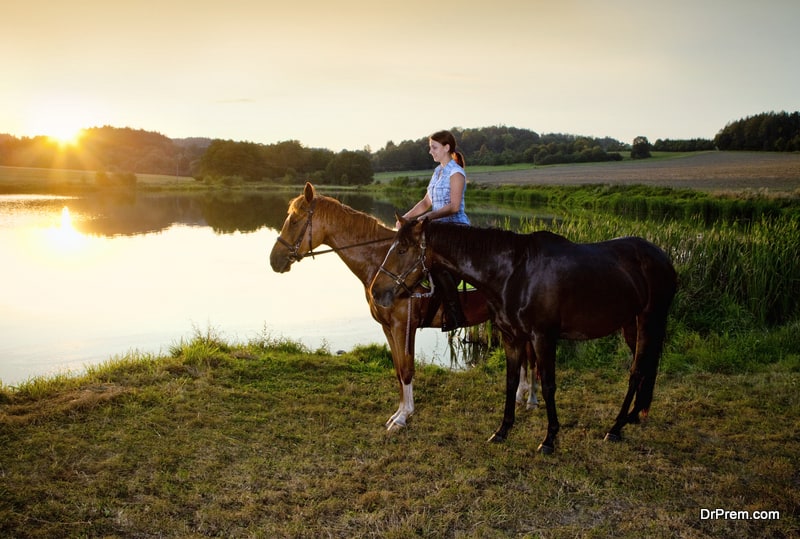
{"x":459,"y":157}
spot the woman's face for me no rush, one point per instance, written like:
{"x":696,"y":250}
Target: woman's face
{"x":438,"y":151}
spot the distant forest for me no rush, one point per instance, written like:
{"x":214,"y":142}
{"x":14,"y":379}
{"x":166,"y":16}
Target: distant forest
{"x":771,"y":132}
{"x":116,"y":151}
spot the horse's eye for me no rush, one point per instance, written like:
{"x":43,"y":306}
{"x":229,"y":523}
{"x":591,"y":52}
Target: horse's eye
{"x":402,"y":250}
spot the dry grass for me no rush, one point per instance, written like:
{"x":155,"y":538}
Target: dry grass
{"x":273,"y":444}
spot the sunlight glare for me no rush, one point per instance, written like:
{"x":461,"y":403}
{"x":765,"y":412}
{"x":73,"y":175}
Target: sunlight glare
{"x":66,"y":135}
{"x":62,"y":119}
{"x":64,"y":237}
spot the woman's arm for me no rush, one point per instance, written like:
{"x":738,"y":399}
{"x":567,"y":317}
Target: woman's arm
{"x":419,"y":208}
{"x":457,"y":183}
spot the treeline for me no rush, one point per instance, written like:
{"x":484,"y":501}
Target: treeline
{"x":500,"y":145}
{"x":769,"y":131}
{"x":688,"y":145}
{"x":288,"y":162}
{"x":111,"y":149}
{"x":124,"y":150}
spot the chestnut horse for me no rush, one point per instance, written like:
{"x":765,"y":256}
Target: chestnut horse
{"x":361,"y":242}
{"x":543,"y":287}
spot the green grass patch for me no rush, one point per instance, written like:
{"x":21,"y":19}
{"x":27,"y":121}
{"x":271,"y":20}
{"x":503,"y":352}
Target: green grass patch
{"x":642,"y":202}
{"x":732,"y":276}
{"x":64,"y":181}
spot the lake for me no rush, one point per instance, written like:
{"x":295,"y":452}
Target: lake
{"x":89,"y":278}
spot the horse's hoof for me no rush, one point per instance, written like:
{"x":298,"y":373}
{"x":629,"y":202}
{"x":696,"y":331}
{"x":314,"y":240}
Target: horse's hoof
{"x":532,"y":406}
{"x":546,"y":449}
{"x":394,"y":426}
{"x":611,"y":437}
{"x":496,"y":439}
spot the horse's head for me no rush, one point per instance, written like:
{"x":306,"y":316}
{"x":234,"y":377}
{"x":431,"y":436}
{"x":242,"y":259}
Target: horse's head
{"x":297,"y":237}
{"x":405,"y":265}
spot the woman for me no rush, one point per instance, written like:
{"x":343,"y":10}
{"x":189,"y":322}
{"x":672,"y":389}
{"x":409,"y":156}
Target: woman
{"x":445,"y":200}
{"x":445,"y":193}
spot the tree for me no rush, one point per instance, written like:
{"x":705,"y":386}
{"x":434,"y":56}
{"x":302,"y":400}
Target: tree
{"x":770,"y":131}
{"x":640,"y":148}
{"x":226,"y":158}
{"x":350,"y":168}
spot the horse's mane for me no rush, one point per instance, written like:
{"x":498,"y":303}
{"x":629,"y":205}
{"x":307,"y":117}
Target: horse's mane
{"x":467,"y":241}
{"x":347,"y":218}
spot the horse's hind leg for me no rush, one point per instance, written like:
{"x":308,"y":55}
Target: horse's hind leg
{"x":527,"y":379}
{"x":615,"y":433}
{"x":655,"y":328}
{"x":644,"y":369}
{"x":524,"y":384}
{"x":630,"y":333}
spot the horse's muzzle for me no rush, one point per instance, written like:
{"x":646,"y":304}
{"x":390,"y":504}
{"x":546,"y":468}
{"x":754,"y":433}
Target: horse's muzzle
{"x":383,"y":297}
{"x":280,"y":263}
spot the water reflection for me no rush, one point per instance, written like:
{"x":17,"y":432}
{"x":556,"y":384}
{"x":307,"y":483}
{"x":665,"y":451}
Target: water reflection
{"x":87,"y":278}
{"x":225,"y":212}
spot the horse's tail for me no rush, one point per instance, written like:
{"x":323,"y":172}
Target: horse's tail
{"x":662,"y":284}
{"x":648,"y":368}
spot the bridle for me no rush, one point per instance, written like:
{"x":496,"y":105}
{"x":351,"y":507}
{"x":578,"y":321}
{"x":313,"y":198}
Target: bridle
{"x":294,"y":249}
{"x":400,"y":280}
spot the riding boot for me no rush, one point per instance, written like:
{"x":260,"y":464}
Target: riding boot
{"x":447,"y":289}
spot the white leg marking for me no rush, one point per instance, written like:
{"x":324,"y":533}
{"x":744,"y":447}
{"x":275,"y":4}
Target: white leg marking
{"x":524,"y":386}
{"x":398,"y":420}
{"x":533,"y":402}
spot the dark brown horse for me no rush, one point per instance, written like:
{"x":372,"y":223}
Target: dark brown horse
{"x":543,"y":287}
{"x":361,"y":242}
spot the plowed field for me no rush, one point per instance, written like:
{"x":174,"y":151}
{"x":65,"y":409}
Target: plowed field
{"x":705,"y":170}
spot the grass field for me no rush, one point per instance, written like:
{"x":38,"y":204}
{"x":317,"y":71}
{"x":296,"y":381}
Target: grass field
{"x":264,"y":440}
{"x":57,"y":181}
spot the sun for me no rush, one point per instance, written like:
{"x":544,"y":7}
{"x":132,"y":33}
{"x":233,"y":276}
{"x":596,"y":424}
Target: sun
{"x":65,"y":135}
{"x":61,"y":120}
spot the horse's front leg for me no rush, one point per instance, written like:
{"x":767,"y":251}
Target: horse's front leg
{"x":545,"y":349}
{"x":514,"y":354}
{"x":403,"y":359}
{"x":398,"y":420}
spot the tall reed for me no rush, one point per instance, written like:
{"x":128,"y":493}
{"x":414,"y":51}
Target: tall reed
{"x":731,"y":276}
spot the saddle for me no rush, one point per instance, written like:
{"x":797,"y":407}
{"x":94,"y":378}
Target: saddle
{"x":436,"y":299}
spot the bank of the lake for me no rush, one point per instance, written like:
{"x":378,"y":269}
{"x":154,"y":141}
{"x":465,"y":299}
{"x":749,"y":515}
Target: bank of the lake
{"x":267,"y":439}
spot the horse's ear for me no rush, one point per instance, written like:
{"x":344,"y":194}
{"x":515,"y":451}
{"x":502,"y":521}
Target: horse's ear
{"x":309,"y":192}
{"x":400,"y":219}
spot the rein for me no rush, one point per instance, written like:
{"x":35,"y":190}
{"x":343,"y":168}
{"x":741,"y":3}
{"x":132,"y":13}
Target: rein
{"x":337,"y":249}
{"x":400,"y":280}
{"x":294,"y":249}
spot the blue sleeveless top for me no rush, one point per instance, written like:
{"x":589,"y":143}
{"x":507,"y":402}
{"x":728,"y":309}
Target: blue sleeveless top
{"x":439,"y":191}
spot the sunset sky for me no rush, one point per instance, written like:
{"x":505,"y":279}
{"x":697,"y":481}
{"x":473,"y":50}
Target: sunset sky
{"x":355,"y":73}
